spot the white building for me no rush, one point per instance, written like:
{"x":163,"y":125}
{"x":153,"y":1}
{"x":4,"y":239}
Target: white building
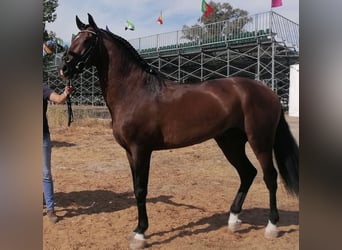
{"x":294,"y":91}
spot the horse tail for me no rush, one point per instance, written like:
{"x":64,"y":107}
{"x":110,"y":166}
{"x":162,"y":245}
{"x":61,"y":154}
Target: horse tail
{"x":286,"y":154}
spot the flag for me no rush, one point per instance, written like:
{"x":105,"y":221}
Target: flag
{"x":129,"y":25}
{"x":277,"y":3}
{"x":206,"y":9}
{"x":44,"y":52}
{"x":160,"y":18}
{"x":46,"y":49}
{"x":59,"y":41}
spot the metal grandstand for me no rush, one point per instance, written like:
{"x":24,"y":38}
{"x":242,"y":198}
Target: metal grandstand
{"x":261,"y":46}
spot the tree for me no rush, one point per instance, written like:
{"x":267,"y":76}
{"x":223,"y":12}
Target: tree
{"x":49,"y":15}
{"x":50,"y":39}
{"x":205,"y":29}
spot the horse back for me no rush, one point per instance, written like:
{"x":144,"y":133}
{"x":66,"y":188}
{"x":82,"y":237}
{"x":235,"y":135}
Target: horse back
{"x":235,"y":98}
{"x":197,"y":112}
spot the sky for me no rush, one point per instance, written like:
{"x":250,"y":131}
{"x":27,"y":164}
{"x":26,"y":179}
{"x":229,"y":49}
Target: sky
{"x":144,"y":13}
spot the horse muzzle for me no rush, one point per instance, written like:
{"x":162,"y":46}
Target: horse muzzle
{"x":65,"y":72}
{"x":69,"y":69}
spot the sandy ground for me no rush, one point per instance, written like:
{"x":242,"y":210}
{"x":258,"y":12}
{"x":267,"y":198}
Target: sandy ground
{"x":190,"y":192}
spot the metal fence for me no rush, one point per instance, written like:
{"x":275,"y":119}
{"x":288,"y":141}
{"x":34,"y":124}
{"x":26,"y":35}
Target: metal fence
{"x":263,"y":25}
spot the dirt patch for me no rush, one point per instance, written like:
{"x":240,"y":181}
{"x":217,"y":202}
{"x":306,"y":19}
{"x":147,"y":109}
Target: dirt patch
{"x":190,"y":192}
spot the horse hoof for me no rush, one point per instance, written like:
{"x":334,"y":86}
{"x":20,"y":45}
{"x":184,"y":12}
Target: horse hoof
{"x":271,"y":234}
{"x":233,"y":227}
{"x":271,"y":231}
{"x":137,"y":244}
{"x":234,"y":223}
{"x":137,"y":241}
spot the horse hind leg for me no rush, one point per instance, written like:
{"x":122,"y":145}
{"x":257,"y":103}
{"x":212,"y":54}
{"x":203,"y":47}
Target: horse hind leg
{"x":270,"y":178}
{"x":232,"y":144}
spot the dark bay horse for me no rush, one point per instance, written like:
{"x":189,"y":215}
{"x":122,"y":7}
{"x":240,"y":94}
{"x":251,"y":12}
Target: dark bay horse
{"x":150,"y":113}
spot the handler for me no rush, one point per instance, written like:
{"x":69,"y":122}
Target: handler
{"x":50,"y":95}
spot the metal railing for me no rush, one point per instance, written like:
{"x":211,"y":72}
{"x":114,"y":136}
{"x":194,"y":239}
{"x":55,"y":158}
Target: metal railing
{"x":258,"y":27}
{"x":285,"y":30}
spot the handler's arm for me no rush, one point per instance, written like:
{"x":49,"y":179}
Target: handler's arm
{"x":60,"y":98}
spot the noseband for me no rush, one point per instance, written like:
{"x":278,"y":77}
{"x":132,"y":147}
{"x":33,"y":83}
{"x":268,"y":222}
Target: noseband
{"x":78,"y":62}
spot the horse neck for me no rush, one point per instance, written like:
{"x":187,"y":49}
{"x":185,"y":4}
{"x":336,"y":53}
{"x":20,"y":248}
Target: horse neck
{"x":114,"y":75}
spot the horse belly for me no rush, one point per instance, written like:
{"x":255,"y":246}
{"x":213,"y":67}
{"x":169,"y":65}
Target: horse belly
{"x":195,"y":127}
{"x":175,"y":138}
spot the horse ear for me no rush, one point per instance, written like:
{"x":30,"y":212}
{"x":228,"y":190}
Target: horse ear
{"x":80,"y":25}
{"x":92,"y":22}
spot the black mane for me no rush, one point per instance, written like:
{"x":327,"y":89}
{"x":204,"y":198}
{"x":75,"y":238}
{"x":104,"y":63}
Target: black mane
{"x":141,"y":61}
{"x":154,"y":78}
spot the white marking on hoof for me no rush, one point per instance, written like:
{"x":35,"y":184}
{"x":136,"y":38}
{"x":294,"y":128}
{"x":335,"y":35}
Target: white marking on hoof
{"x":234,"y":223}
{"x":137,"y":241}
{"x":271,"y":231}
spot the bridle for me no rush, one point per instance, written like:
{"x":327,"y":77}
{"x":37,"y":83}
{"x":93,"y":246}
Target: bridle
{"x":78,"y":62}
{"x":75,"y":65}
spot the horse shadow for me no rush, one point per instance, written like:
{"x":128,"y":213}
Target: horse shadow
{"x":59,"y":144}
{"x":92,"y":202}
{"x":256,"y":218}
{"x":103,"y":201}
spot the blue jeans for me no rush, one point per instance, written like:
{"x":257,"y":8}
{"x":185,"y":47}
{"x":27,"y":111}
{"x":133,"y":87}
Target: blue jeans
{"x":47,"y":176}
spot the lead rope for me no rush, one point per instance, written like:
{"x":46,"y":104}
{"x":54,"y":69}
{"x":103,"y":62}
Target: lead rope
{"x":70,"y":113}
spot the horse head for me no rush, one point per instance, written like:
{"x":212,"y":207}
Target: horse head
{"x":81,"y":50}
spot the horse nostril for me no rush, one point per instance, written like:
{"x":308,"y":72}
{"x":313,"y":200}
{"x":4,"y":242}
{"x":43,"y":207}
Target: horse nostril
{"x":63,"y":71}
{"x":65,"y":59}
{"x":80,"y":65}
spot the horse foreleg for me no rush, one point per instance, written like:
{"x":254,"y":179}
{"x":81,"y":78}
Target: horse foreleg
{"x":140,"y":164}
